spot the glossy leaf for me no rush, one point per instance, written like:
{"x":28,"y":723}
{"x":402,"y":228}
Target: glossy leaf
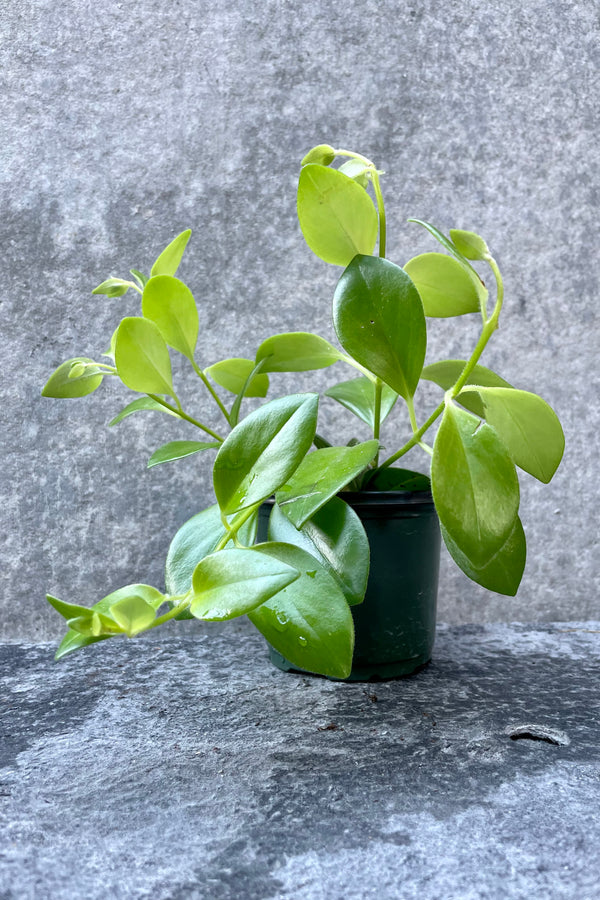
{"x":336,"y":215}
{"x":60,"y":385}
{"x":528,"y":427}
{"x":336,"y":537}
{"x":261,"y":453}
{"x":309,"y":622}
{"x":297,"y":351}
{"x":141,"y":279}
{"x":168,"y":261}
{"x":391,"y":479}
{"x":321,"y":155}
{"x":379,"y":320}
{"x":142,"y":404}
{"x":232,"y":374}
{"x":471,"y":245}
{"x":447,"y":372}
{"x":446,"y":287}
{"x":112,"y":287}
{"x":179,"y":450}
{"x":320,"y":476}
{"x":133,"y":614}
{"x":448,"y":245}
{"x":474,"y":484}
{"x":358,"y":395}
{"x":142,"y":357}
{"x":504,"y":571}
{"x":169,"y":303}
{"x":234,"y":414}
{"x":231,"y":583}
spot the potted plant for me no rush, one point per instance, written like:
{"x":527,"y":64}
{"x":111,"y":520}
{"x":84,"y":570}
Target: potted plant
{"x":326,"y":511}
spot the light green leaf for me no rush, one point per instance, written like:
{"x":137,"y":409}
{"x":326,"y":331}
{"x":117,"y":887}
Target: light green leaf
{"x":111,"y":350}
{"x":391,"y":479}
{"x":142,"y":357}
{"x":445,"y":286}
{"x":133,"y":614}
{"x":141,"y":279}
{"x":60,"y":385}
{"x":447,"y":372}
{"x":358,"y":395}
{"x":356,"y":170}
{"x":504,"y":571}
{"x":336,"y":215}
{"x":112,"y":287}
{"x":231,"y":583}
{"x":234,"y":414}
{"x":320,"y":476}
{"x":169,"y":303}
{"x":168,"y":261}
{"x":336,"y":537}
{"x":448,"y":245}
{"x":179,"y":450}
{"x":298,"y":351}
{"x":528,"y":427}
{"x":379,"y":320}
{"x":469,"y":244}
{"x":474,"y":485}
{"x":261,"y":453}
{"x":309,"y":622}
{"x":321,"y":155}
{"x":141,"y":404}
{"x":232,"y":374}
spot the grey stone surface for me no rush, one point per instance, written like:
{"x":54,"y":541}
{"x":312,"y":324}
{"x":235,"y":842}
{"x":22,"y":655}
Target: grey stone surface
{"x":194,"y":769}
{"x":125,"y":123}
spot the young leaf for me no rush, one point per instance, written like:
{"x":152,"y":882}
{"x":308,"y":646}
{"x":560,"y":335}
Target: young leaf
{"x":504,"y":571}
{"x":309,"y":622}
{"x":111,"y":350}
{"x":336,"y":215}
{"x":60,"y":385}
{"x":528,"y":427}
{"x":133,"y":614}
{"x":169,"y":303}
{"x":297,"y":351}
{"x":261,"y":453}
{"x":356,"y":170}
{"x":336,"y":537}
{"x":141,"y":279}
{"x":112,"y":287}
{"x":179,"y":450}
{"x":234,"y":414}
{"x":448,"y":245}
{"x":320,"y":476}
{"x":446,"y":287}
{"x":168,"y":261}
{"x":231,"y":583}
{"x":321,"y":155}
{"x":474,"y":485}
{"x":358,"y":395}
{"x":141,"y":404}
{"x":469,"y":244}
{"x":379,"y":320}
{"x":232,"y":374}
{"x":142,"y":357}
{"x":447,"y":372}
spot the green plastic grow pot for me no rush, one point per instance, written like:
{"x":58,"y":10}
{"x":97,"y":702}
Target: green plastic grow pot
{"x":395,"y":624}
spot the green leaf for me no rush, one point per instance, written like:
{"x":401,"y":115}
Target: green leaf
{"x":234,"y":414}
{"x":504,"y":571}
{"x":179,"y":450}
{"x":141,"y":404}
{"x":232,"y":374}
{"x":336,"y":215}
{"x":356,"y":170}
{"x":169,"y":303}
{"x":60,"y":385}
{"x":309,"y":622}
{"x":133,"y":614}
{"x":379,"y":320}
{"x":261,"y":453}
{"x":445,"y":286}
{"x":298,"y":351}
{"x":391,"y":479}
{"x":358,"y":395}
{"x":168,"y":261}
{"x":528,"y":427}
{"x":142,"y":357}
{"x":231,"y":583}
{"x":471,"y":245}
{"x":139,"y":277}
{"x":67,"y":610}
{"x":474,"y":485}
{"x":321,"y":155}
{"x":336,"y":537}
{"x":111,"y":350}
{"x":447,"y":372}
{"x":448,"y":245}
{"x":112,"y":287}
{"x":320,"y":476}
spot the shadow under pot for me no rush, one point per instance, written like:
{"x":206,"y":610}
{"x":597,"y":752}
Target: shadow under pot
{"x":395,"y":624}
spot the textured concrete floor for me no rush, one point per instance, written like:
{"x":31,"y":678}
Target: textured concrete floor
{"x":193,"y":769}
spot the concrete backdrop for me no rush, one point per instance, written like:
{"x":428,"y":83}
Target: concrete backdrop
{"x":123,"y":123}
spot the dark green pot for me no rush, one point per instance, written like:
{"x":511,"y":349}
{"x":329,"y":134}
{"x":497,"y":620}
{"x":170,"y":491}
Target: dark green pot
{"x":395,"y":624}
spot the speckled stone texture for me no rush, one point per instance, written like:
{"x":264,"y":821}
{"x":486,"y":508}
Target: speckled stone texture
{"x":194,"y":769}
{"x":123,"y":123}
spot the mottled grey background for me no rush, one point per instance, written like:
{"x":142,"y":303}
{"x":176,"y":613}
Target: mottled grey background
{"x":122,"y":123}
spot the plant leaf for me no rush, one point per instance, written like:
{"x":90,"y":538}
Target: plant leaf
{"x":336,"y":215}
{"x":141,"y":404}
{"x":231,"y":583}
{"x":133,"y":614}
{"x":447,"y":372}
{"x":178,"y":450}
{"x":379,"y":320}
{"x":474,"y":485}
{"x":504,"y":571}
{"x":234,"y":415}
{"x":139,"y":277}
{"x":321,"y":155}
{"x":358,"y":395}
{"x":528,"y":427}
{"x":298,"y":351}
{"x":391,"y":479}
{"x":320,"y":476}
{"x":112,"y":287}
{"x":471,"y":245}
{"x":336,"y":537}
{"x":232,"y":374}
{"x":142,"y":357}
{"x":446,"y":287}
{"x":309,"y":622}
{"x":60,"y":386}
{"x":169,"y":303}
{"x":168,"y":261}
{"x":261,"y":453}
{"x":356,"y":170}
{"x":448,"y":245}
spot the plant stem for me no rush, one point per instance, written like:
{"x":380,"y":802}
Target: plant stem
{"x":356,"y":365}
{"x":380,"y":210}
{"x":166,"y":617}
{"x":377,"y":415}
{"x":183,"y":415}
{"x":211,"y":390}
{"x":235,"y":526}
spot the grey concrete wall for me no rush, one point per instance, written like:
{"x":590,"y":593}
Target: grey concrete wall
{"x":122,"y":123}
